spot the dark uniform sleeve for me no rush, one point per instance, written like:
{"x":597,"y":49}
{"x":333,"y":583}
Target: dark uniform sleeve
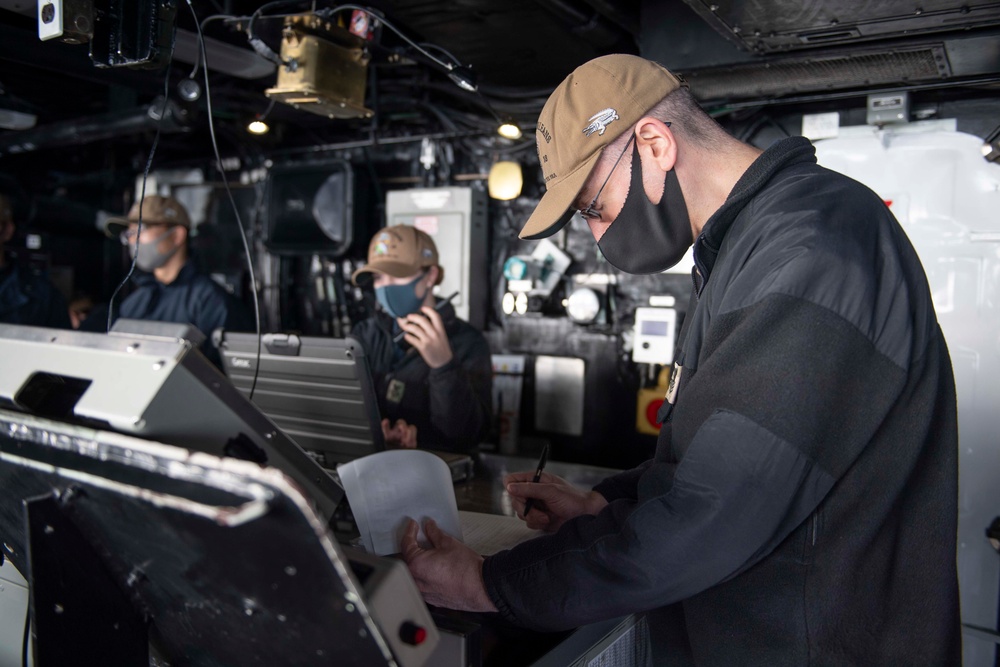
{"x":623,"y":485}
{"x":215,"y":309}
{"x":46,"y":306}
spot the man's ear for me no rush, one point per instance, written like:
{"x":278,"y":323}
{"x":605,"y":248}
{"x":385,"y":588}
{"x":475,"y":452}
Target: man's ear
{"x":182,"y":234}
{"x":655,"y":140}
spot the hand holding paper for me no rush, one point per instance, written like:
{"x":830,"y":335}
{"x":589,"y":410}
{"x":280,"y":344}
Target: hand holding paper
{"x":387,"y":488}
{"x":397,"y":496}
{"x":448,"y":574}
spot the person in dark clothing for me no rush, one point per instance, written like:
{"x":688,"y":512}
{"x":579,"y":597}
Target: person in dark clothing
{"x":169,"y":287}
{"x":434,"y":383}
{"x":801,"y":505}
{"x":26,"y":297}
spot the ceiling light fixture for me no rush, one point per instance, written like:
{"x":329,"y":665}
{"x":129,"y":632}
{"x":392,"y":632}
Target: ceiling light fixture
{"x":508,"y":129}
{"x":259,"y":125}
{"x":505,"y":180}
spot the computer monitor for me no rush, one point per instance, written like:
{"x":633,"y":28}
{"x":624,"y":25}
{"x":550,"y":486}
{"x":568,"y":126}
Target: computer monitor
{"x":319,"y":391}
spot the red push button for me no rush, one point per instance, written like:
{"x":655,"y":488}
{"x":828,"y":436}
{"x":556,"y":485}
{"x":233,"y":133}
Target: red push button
{"x":651,"y":410}
{"x":412,"y":634}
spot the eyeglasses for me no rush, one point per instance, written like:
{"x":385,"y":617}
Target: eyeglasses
{"x":590,"y":212}
{"x":127,"y":237}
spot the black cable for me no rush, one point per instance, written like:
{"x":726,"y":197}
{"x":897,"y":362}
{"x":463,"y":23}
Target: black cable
{"x":448,"y":67}
{"x":442,"y":50}
{"x":229,"y":193}
{"x":201,"y":29}
{"x":992,"y":136}
{"x":142,"y":193}
{"x":265,"y":51}
{"x":257,"y":43}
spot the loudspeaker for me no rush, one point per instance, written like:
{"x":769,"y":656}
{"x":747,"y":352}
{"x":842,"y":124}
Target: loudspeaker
{"x":317,"y":208}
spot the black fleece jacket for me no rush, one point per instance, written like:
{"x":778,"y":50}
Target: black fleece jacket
{"x":451,"y":406}
{"x":192,"y":298}
{"x":29,"y":298}
{"x":802,"y":502}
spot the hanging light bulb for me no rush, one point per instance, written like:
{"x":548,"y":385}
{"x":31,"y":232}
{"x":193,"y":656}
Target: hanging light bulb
{"x":505,"y":180}
{"x":257,"y":126}
{"x":508,"y":129}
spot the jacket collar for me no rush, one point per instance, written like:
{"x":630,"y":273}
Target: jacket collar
{"x":782,"y":154}
{"x":184,"y":277}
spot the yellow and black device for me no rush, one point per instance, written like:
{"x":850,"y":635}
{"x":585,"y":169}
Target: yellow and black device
{"x":648,"y":402}
{"x":324,"y":69}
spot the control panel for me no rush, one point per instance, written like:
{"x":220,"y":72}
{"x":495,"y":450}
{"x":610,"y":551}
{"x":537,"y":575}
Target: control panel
{"x":655,"y":330}
{"x":396,"y":606}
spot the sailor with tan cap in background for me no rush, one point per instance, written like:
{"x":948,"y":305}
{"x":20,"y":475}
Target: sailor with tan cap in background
{"x":168,"y":286}
{"x":801,"y":506}
{"x":432,"y":371}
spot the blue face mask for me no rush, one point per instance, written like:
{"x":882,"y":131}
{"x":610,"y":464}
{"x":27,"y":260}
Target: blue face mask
{"x":400,"y":300}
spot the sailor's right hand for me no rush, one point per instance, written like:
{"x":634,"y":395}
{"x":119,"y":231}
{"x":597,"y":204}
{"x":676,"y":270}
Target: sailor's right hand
{"x":556,"y":500}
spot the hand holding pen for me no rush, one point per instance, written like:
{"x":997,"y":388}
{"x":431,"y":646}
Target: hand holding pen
{"x":562,"y":500}
{"x":538,"y":476}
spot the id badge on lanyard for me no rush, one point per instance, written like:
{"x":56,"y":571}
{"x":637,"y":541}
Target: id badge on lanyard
{"x":670,"y":399}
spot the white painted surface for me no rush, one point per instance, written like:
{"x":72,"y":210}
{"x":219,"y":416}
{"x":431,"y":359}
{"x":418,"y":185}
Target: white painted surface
{"x":947,"y":198}
{"x":13,"y":606}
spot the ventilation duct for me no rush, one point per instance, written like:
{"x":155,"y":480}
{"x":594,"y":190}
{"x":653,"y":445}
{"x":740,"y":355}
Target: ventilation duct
{"x":813,"y":73}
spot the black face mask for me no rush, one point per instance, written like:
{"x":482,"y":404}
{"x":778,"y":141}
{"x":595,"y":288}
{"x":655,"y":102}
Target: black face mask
{"x":648,"y":237}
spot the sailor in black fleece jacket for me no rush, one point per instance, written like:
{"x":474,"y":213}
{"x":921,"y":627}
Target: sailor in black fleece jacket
{"x":431,"y":370}
{"x":801,"y":507}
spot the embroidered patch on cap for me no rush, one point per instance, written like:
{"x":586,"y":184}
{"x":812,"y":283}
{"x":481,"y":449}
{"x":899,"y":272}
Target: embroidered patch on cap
{"x":600,"y":121}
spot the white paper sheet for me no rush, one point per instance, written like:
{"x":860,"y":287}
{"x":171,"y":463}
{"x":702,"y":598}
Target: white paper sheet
{"x":487,"y":534}
{"x":386,"y":488}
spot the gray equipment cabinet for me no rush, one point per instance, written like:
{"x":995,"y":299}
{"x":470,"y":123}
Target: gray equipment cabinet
{"x":141,"y":553}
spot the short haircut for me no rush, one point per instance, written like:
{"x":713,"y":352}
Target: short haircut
{"x":687,"y":120}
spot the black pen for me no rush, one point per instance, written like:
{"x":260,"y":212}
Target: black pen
{"x":437,"y":306}
{"x":538,"y":476}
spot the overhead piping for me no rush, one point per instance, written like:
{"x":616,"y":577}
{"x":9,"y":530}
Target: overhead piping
{"x":96,"y":128}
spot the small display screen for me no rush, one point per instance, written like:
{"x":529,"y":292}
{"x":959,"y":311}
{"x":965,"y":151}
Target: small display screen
{"x":654,"y":328}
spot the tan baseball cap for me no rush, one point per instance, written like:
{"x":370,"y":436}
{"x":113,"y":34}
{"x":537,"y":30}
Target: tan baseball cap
{"x":155,"y":210}
{"x":400,"y":251}
{"x":599,"y":101}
